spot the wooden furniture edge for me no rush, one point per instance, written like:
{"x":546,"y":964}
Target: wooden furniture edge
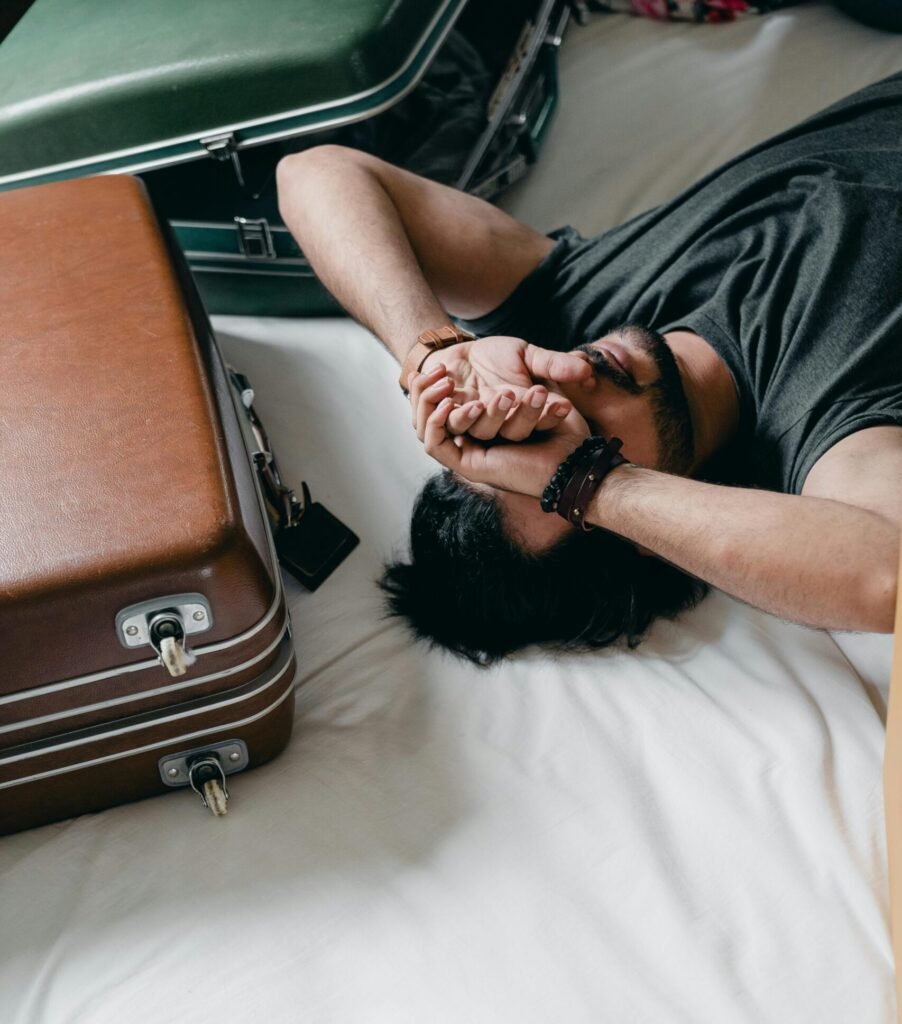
{"x":892,"y":796}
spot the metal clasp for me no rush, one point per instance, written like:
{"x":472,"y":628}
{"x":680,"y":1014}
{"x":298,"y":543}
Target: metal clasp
{"x":165,"y":625}
{"x":133,"y":624}
{"x":175,"y":769}
{"x":255,"y":238}
{"x":205,"y":771}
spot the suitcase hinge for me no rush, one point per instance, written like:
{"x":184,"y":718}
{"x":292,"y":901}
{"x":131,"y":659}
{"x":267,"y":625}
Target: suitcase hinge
{"x":225,"y":147}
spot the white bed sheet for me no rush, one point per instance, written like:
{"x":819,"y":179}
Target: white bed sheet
{"x":686,"y":834}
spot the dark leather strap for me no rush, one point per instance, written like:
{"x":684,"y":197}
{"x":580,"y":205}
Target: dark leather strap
{"x":580,"y":489}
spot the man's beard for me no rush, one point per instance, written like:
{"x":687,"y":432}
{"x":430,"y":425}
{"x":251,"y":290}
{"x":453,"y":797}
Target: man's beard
{"x":670,"y":408}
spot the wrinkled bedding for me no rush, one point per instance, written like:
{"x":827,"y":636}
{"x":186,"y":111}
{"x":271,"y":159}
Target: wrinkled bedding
{"x":688,"y":833}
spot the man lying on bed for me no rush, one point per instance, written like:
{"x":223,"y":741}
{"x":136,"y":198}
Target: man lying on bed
{"x":764,"y":352}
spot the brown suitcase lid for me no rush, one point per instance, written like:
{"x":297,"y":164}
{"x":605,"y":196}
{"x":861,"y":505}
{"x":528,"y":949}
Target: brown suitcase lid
{"x":114,"y":485}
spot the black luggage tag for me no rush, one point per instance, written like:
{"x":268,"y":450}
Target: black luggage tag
{"x":316,"y":545}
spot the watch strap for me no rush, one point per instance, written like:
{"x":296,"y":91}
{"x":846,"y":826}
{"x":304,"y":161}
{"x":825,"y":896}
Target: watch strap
{"x":427,"y":343}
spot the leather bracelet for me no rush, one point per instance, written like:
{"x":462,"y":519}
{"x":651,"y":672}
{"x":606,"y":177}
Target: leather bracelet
{"x":427,"y":343}
{"x":553,"y":493}
{"x":585,"y":479}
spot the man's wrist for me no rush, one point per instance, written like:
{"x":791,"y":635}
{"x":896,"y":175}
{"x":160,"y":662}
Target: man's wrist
{"x":432,"y":360}
{"x":428,"y":342}
{"x":607,"y":503}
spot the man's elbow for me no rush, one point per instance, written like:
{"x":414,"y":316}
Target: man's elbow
{"x":296,"y":170}
{"x":878,"y":599}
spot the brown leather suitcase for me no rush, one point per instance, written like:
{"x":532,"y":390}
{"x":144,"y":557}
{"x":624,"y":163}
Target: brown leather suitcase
{"x":144,"y":636}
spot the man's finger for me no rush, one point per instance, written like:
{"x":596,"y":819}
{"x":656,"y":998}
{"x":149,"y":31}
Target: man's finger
{"x":453,"y":451}
{"x":436,"y":439}
{"x":464,"y":416}
{"x":429,"y":399}
{"x":417,"y":384}
{"x":566,"y":367}
{"x":488,"y":425}
{"x":555,"y":411}
{"x":521,"y":423}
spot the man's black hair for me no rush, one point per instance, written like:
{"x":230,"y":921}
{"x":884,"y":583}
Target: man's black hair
{"x":472,"y":590}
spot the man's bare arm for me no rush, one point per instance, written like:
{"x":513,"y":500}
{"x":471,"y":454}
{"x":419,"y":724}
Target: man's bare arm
{"x":814,"y":560}
{"x":817,"y":560}
{"x":399,"y":252}
{"x":351,"y":233}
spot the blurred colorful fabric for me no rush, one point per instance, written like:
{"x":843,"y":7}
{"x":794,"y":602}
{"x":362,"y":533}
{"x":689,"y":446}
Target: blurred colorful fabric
{"x":691,"y":10}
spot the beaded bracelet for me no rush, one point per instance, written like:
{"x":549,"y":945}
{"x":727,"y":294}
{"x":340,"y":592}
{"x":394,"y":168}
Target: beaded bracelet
{"x":578,"y":477}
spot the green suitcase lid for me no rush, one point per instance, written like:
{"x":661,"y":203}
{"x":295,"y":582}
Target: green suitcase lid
{"x":94,"y":86}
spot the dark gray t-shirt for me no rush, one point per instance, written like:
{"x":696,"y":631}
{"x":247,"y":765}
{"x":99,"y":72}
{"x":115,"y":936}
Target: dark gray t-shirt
{"x":787,"y":260}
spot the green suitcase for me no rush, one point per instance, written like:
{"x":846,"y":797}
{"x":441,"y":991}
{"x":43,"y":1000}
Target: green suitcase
{"x":203,"y":99}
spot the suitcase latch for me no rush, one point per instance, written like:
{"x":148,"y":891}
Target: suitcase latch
{"x":165,"y":625}
{"x":255,"y":238}
{"x":205,"y":771}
